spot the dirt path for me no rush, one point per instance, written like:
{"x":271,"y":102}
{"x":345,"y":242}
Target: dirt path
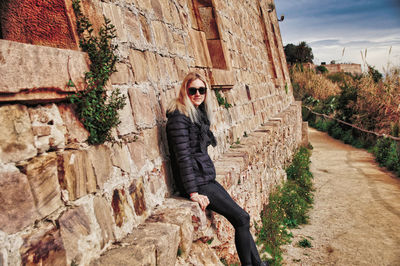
{"x":356,"y":214}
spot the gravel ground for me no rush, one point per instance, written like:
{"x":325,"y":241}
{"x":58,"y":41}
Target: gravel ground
{"x":356,"y":214}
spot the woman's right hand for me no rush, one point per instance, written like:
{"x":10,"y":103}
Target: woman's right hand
{"x":201,"y":199}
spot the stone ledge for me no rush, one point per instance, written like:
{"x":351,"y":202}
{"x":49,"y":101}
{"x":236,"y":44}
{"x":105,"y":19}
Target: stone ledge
{"x":39,"y":73}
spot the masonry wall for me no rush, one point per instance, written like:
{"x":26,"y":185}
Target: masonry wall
{"x":63,"y":201}
{"x":349,"y":68}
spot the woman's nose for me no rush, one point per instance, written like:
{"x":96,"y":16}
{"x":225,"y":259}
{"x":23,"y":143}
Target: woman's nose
{"x":197,"y":92}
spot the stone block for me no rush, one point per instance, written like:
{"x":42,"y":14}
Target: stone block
{"x":43,"y":248}
{"x":198,"y":44}
{"x":142,"y":108}
{"x":145,"y":28}
{"x":17,"y":204}
{"x":152,"y":64}
{"x":157,"y":9}
{"x":132,"y":26}
{"x":114,"y":13}
{"x":100,"y":158}
{"x":173,"y":213}
{"x":181,"y":67}
{"x":152,"y":142}
{"x":137,"y":150}
{"x":76,"y":132}
{"x":42,"y":71}
{"x":139,"y":65}
{"x":48,"y":117}
{"x":121,"y":158}
{"x":165,"y":237}
{"x":104,"y":216}
{"x":127,"y":125}
{"x":75,"y":230}
{"x":129,"y":256}
{"x":136,"y":192}
{"x":202,"y":254}
{"x":16,"y":135}
{"x":42,"y":176}
{"x":122,"y":76}
{"x":120,"y":206}
{"x":76,"y":174}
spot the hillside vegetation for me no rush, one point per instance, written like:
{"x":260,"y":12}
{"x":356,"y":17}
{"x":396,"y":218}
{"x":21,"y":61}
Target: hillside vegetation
{"x":369,"y":101}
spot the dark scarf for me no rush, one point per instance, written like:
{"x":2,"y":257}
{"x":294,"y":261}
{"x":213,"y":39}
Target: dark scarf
{"x":206,"y":136}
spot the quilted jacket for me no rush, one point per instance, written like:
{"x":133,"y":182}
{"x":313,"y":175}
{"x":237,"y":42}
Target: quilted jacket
{"x":188,"y":141}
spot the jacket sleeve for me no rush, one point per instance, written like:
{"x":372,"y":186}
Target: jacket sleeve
{"x":178,"y":135}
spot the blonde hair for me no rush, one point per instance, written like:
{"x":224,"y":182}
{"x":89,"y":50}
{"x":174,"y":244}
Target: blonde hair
{"x":183,"y":103}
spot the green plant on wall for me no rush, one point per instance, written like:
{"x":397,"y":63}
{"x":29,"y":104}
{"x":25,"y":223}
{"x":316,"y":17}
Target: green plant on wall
{"x":222,"y":100}
{"x":97,"y":108}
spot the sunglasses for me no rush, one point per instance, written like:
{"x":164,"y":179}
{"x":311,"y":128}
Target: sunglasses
{"x":192,"y":90}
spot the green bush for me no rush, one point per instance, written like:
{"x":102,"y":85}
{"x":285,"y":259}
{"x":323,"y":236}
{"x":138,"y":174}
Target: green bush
{"x":393,"y":157}
{"x":381,"y":150}
{"x":287,"y":207}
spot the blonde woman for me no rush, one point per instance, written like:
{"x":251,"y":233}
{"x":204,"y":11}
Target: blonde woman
{"x":188,"y":131}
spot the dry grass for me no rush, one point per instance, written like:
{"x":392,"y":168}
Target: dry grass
{"x":312,"y":84}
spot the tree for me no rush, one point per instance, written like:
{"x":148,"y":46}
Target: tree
{"x":301,"y":53}
{"x":375,"y":74}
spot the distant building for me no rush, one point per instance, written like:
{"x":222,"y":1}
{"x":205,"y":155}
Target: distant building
{"x":354,"y":69}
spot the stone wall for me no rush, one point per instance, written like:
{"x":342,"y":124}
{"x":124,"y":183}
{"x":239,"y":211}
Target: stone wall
{"x":63,"y":201}
{"x":350,"y":68}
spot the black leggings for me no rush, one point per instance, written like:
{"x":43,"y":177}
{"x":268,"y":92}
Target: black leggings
{"x":222,"y":203}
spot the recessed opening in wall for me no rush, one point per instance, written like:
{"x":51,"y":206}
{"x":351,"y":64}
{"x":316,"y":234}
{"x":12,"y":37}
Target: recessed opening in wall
{"x":248,"y":92}
{"x":206,"y":19}
{"x":271,"y":64}
{"x":39,"y":22}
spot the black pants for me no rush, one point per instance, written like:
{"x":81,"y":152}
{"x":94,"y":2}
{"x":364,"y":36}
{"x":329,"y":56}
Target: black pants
{"x":222,"y":203}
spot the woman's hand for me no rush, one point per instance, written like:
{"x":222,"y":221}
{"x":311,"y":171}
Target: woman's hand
{"x":201,"y":199}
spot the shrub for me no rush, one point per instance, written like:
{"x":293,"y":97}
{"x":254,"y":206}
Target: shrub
{"x":381,"y":150}
{"x":287,"y":207}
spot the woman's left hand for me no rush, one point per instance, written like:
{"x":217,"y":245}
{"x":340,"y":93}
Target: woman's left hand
{"x":201,"y":199}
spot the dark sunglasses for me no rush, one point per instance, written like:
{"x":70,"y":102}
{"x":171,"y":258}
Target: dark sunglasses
{"x":192,"y":90}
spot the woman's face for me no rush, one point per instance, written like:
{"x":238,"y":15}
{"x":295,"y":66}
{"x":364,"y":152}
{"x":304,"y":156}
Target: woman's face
{"x":196,"y":96}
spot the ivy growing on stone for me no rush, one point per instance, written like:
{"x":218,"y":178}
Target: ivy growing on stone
{"x":222,"y":100}
{"x":96,"y":107}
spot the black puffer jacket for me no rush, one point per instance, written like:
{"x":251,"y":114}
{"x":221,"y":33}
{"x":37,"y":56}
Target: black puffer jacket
{"x":187,"y":141}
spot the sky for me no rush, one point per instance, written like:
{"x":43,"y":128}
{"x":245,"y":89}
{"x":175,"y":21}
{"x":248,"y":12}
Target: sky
{"x":341,"y":30}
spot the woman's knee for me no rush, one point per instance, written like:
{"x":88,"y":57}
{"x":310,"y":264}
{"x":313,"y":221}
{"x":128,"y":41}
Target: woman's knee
{"x":243,"y":220}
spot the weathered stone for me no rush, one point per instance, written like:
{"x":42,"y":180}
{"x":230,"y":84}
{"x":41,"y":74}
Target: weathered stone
{"x":139,"y":65}
{"x":104,"y":219}
{"x":48,"y":116}
{"x":121,"y":157}
{"x":114,"y":13}
{"x":44,"y":248}
{"x":132,"y":26}
{"x":142,"y":108}
{"x":200,"y":52}
{"x":16,"y":136}
{"x":76,"y":132}
{"x":151,"y":61}
{"x":76,"y":174}
{"x":137,"y":151}
{"x":173,"y":213}
{"x":74,"y":229}
{"x":165,"y":237}
{"x":43,"y":179}
{"x":17,"y":205}
{"x":157,"y":9}
{"x":127,"y":125}
{"x":122,"y":76}
{"x":100,"y":158}
{"x":145,"y":28}
{"x":129,"y":256}
{"x":160,"y":34}
{"x":118,"y":205}
{"x":202,"y":254}
{"x":46,"y":82}
{"x":137,"y":194}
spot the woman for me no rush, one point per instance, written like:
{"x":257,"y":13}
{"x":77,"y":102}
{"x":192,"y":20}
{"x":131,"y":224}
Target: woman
{"x":188,"y":131}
